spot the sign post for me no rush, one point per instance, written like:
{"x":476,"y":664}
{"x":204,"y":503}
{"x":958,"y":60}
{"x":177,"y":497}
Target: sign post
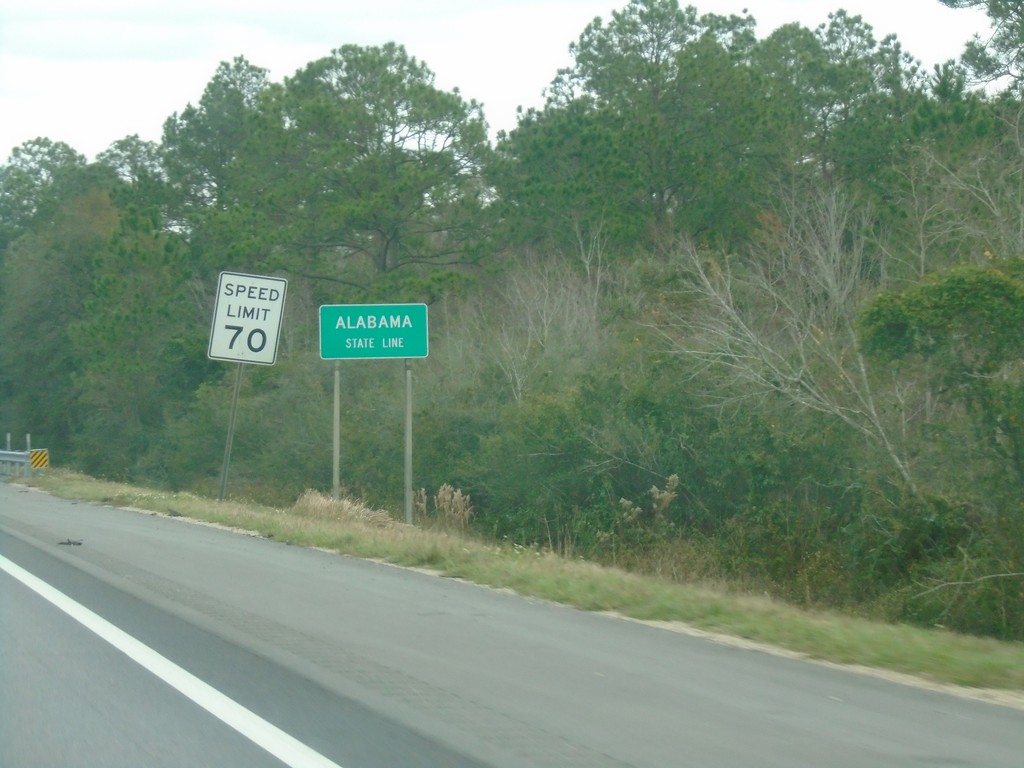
{"x":247,"y":317}
{"x":375,"y":332}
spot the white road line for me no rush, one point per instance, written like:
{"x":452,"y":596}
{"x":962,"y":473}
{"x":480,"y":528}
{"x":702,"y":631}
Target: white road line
{"x":287,"y":749}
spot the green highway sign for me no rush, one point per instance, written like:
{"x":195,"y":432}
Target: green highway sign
{"x":373,"y":331}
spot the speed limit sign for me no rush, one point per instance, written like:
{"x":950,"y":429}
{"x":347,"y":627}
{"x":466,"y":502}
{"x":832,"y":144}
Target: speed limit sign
{"x":247,"y":318}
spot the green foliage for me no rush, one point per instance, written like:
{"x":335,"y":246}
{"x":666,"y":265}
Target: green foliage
{"x":971,"y":316}
{"x":562,"y":175}
{"x":46,"y":279}
{"x":369,"y":161}
{"x":968,"y":321}
{"x":141,"y":349}
{"x":658,"y":129}
{"x":530,"y":472}
{"x":39,"y":176}
{"x":885,"y":549}
{"x":203,"y":145}
{"x":1002,"y":53}
{"x":973,"y":582}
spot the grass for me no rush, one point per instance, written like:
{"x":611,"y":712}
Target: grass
{"x":346,"y":526}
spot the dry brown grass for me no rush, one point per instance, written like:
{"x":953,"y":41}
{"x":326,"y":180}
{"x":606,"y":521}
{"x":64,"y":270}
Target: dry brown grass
{"x":319,"y":506}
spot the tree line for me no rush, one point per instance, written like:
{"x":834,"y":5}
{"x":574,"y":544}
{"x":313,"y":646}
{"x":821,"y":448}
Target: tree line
{"x":724,"y":307}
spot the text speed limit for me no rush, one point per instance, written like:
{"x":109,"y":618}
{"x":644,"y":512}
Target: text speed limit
{"x":247,"y":318}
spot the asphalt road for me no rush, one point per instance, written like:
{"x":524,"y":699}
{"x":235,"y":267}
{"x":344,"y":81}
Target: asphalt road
{"x":361,"y":664}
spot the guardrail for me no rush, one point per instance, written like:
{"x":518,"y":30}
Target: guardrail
{"x":23,"y":463}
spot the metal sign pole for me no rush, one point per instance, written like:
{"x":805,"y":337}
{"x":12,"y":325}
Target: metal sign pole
{"x":231,"y":431}
{"x":408,"y":441}
{"x":337,"y":431}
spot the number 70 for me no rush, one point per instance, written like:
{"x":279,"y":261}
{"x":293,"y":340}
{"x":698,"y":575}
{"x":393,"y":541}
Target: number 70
{"x":255,"y":341}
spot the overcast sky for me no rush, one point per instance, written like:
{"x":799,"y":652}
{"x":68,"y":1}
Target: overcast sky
{"x":89,"y":72}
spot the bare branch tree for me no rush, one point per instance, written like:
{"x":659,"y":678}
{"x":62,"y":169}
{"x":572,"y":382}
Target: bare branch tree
{"x":933,"y":235}
{"x":982,"y":194}
{"x":543,"y":314}
{"x":784,"y":322}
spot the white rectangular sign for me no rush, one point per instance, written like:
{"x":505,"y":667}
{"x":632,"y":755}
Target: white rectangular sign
{"x":247,"y":318}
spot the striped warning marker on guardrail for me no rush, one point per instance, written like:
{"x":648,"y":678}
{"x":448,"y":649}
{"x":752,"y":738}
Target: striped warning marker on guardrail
{"x":39,"y":458}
